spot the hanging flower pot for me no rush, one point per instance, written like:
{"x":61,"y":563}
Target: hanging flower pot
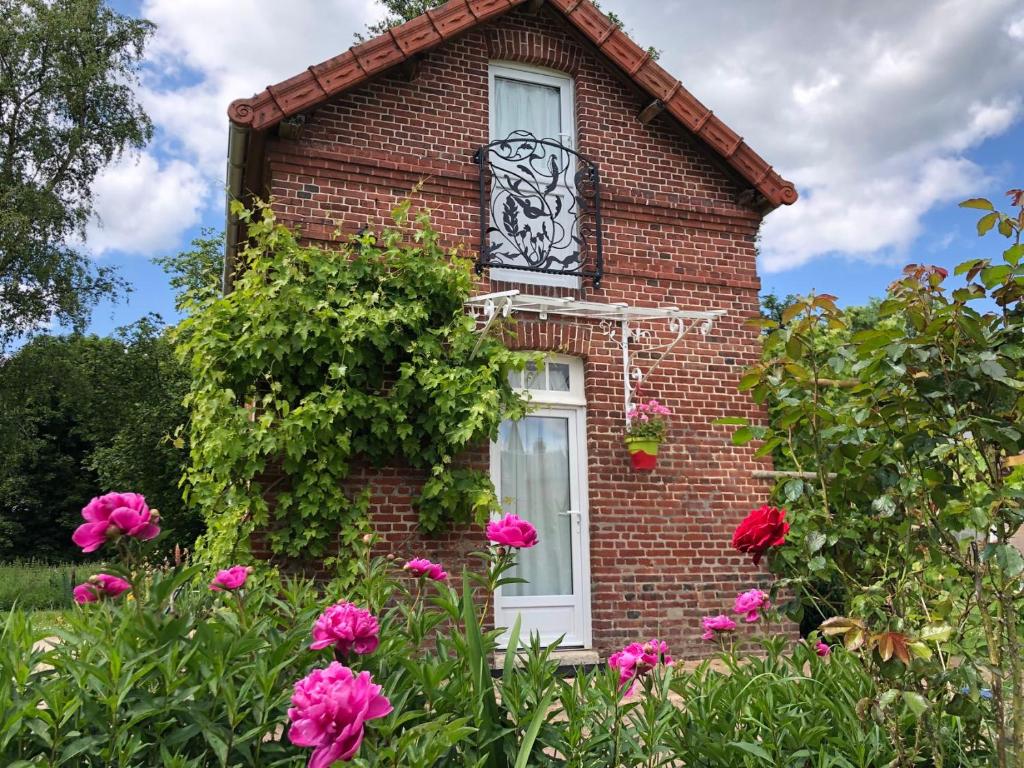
{"x":643,"y":453}
{"x":645,"y":432}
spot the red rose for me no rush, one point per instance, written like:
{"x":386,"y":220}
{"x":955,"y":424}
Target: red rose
{"x":763,"y":528}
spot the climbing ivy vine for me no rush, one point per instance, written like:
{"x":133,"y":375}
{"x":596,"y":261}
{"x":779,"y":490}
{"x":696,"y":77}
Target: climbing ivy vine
{"x":326,"y":358}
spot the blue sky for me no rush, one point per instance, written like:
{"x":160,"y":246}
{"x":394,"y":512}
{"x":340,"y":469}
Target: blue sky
{"x":885,"y":114}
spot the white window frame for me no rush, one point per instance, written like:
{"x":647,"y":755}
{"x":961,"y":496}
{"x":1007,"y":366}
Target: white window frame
{"x":567,"y":89}
{"x":576,"y":394}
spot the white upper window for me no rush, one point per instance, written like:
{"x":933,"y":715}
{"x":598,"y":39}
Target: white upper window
{"x":558,"y":381}
{"x":529,"y":101}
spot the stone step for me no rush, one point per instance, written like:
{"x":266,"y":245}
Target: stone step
{"x":569,"y":660}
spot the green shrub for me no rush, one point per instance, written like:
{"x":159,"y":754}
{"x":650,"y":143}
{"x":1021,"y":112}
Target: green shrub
{"x":33,"y":585}
{"x":180,"y":676}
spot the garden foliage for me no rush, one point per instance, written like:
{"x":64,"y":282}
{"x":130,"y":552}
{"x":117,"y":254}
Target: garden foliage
{"x":321,"y":359}
{"x":908,"y":436}
{"x":84,"y":412}
{"x":185,"y":667}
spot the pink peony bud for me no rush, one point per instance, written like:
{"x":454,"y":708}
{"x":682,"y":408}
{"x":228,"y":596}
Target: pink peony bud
{"x":423,"y":567}
{"x":347,"y":628}
{"x":822,"y":649}
{"x":512,"y":531}
{"x":100,"y":586}
{"x":329,"y":708}
{"x":231,"y":578}
{"x":114,"y":515}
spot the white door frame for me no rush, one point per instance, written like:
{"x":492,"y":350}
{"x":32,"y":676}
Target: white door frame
{"x":505,"y":607}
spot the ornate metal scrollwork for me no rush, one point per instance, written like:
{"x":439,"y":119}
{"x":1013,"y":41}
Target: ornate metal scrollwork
{"x":540,"y":208}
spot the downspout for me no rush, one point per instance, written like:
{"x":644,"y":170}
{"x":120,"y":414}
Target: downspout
{"x":238,"y":146}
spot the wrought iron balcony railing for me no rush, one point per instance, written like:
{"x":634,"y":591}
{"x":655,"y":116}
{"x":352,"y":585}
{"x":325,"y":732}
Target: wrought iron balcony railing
{"x":540,"y":208}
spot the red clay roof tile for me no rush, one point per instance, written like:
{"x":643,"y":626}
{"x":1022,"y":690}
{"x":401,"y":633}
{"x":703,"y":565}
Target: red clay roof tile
{"x":360,"y":63}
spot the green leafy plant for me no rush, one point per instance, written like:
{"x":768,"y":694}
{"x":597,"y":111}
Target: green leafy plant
{"x":33,"y":585}
{"x":324,"y":358}
{"x":904,"y":492}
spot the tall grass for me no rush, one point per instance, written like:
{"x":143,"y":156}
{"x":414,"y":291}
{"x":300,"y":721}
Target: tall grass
{"x":34,"y":585}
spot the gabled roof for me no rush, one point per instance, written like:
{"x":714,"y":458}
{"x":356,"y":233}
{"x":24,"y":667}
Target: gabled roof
{"x":360,"y":63}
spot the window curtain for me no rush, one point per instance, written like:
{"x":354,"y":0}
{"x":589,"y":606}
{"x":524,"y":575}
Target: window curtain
{"x":526,"y":107}
{"x":535,"y":485}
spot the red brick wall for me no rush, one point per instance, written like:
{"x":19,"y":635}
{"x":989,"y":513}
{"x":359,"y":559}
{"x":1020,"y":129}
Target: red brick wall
{"x":674,"y":234}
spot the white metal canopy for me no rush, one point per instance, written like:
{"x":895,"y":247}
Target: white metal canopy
{"x":630,"y":321}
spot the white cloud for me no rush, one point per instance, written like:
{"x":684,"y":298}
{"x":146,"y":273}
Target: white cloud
{"x":869,"y":107}
{"x":1016,"y":29}
{"x":227,"y":49}
{"x":143,"y":206}
{"x":869,"y":218}
{"x":205,"y":53}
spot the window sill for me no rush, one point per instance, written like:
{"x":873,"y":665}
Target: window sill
{"x":498,"y":274}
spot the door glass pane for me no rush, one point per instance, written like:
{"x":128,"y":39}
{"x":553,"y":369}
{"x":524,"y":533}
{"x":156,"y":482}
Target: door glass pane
{"x":535,"y":485}
{"x":558,"y":377}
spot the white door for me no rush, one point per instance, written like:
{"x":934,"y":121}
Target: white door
{"x":534,"y":216}
{"x":538,"y":466}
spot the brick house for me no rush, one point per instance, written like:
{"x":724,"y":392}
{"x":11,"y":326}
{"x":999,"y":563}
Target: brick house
{"x":614,"y":216}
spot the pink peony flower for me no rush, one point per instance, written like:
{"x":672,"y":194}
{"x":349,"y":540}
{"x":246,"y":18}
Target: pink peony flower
{"x":99,"y":586}
{"x":114,"y":515}
{"x":348,"y":628}
{"x":763,"y":528}
{"x":638,"y":659}
{"x":716,"y":624}
{"x":329,"y":708}
{"x":751,"y":602}
{"x":423,"y":567}
{"x":231,"y":578}
{"x":822,"y":649}
{"x":512,"y":531}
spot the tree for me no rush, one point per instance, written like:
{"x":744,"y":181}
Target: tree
{"x":82,"y":415}
{"x":67,"y":110}
{"x":196,"y":273}
{"x":398,"y":12}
